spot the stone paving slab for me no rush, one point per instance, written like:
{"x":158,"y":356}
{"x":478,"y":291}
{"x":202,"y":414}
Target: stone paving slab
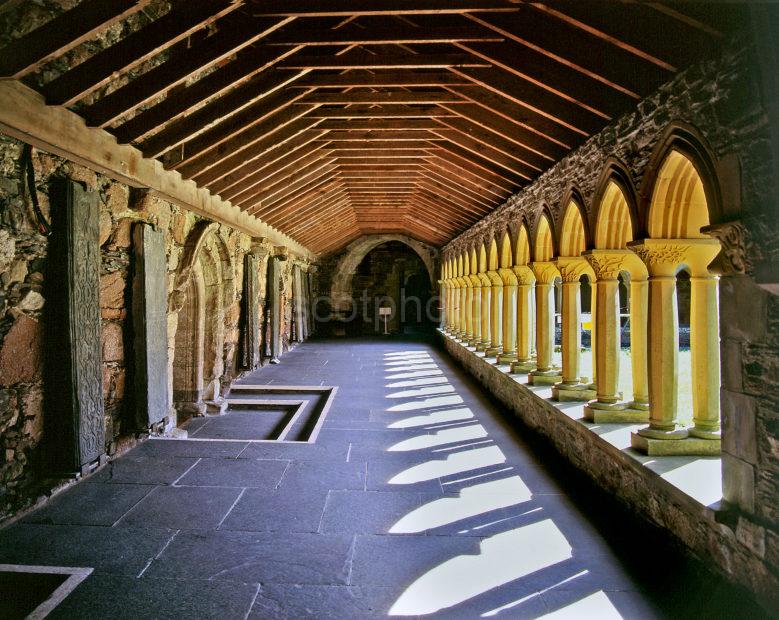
{"x":418,"y":499}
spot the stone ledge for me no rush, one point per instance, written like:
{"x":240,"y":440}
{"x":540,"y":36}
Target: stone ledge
{"x":669,"y":447}
{"x":669,"y":491}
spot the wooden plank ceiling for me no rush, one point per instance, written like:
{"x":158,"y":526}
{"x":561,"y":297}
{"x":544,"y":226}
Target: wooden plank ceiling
{"x":330,"y":119}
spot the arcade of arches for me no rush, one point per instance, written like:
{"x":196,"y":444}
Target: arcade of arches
{"x":204,"y":203}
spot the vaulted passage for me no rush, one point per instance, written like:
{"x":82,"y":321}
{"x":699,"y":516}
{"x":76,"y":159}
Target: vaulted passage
{"x":251,"y":249}
{"x":415,"y":499}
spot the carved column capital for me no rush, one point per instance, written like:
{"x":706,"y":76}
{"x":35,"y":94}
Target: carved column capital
{"x":523,"y":274}
{"x":573,"y":268}
{"x":508,"y":277}
{"x":737,"y":247}
{"x":484,"y":279}
{"x":495,"y":279}
{"x":545,"y":272}
{"x":663,"y":257}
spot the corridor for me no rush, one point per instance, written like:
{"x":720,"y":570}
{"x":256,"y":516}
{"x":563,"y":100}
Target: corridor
{"x":415,"y":499}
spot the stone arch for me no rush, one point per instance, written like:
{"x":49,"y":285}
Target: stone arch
{"x":680,"y":188}
{"x":615,"y":217}
{"x":493,"y":257}
{"x":483,"y":265}
{"x":203,"y":291}
{"x":573,"y":233}
{"x":522,"y":248}
{"x":543,"y":245}
{"x":506,"y":254}
{"x":340,"y":288}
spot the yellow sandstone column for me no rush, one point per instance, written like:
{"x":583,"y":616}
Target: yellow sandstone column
{"x":475,"y":311}
{"x":704,"y":345}
{"x":607,"y":408}
{"x":571,"y":388}
{"x":639,"y":313}
{"x":663,"y":258}
{"x":468,"y":310}
{"x":486,"y":304}
{"x":545,"y":273}
{"x":525,"y":326}
{"x":496,"y":307}
{"x":509,"y":354}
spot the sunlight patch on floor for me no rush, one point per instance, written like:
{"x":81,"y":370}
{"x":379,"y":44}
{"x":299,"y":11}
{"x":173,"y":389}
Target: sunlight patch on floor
{"x":441,"y":438}
{"x":502,"y":559}
{"x":453,"y":464}
{"x":440,"y":401}
{"x":437,"y":417}
{"x":595,"y":606}
{"x":472,"y":501}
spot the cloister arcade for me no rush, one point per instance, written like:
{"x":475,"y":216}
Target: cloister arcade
{"x":500,"y":299}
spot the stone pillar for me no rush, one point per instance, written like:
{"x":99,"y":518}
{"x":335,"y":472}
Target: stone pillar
{"x":663,"y":258}
{"x":274,"y":303}
{"x":462,"y":307}
{"x":525,"y":326}
{"x":639,"y":313}
{"x":704,"y":346}
{"x":475,"y":311}
{"x":455,"y":308}
{"x":571,"y":388}
{"x":150,"y":328}
{"x":76,"y":434}
{"x":486,"y":305}
{"x":509,"y":354}
{"x":468,"y":310}
{"x":607,"y":408}
{"x":447,"y":317}
{"x":544,"y":374}
{"x":496,"y":308}
{"x":251,"y":321}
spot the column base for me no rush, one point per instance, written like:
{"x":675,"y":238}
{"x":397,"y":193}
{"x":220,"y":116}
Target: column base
{"x":572,"y":392}
{"x":614,"y":413}
{"x":473,"y":342}
{"x":544,"y":377}
{"x":507,"y":358}
{"x":690,"y":446}
{"x":482,"y":346}
{"x":638,"y":405}
{"x":523,"y":367}
{"x":492,"y":352}
{"x":707,"y":434}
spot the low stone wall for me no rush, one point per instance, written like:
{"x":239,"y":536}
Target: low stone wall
{"x":625,"y":478}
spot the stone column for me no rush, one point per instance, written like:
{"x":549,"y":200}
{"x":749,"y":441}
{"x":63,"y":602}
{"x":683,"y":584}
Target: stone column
{"x":468,"y":310}
{"x":463,"y":308}
{"x":639,"y":313}
{"x":607,"y":408}
{"x":525,"y":326}
{"x":571,"y":388}
{"x":448,"y":306}
{"x":663,"y":258}
{"x":486,"y":304}
{"x":545,"y":273}
{"x":496,"y":308}
{"x":475,"y":310}
{"x":704,"y":346}
{"x":455,"y":308}
{"x":509,"y":279}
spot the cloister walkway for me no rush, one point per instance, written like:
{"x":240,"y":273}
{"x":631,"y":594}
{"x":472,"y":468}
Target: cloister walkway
{"x":416,"y":499}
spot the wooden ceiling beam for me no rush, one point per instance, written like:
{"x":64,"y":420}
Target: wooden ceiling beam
{"x":381,"y":112}
{"x":98,"y":70}
{"x":236,"y":33}
{"x":361,"y":60}
{"x":367,"y":153}
{"x":254,"y":170}
{"x":348,"y":135}
{"x":348,"y":8}
{"x":474,"y":183}
{"x":510,"y":149}
{"x":217,"y":111}
{"x":386,"y":36}
{"x":463,"y":167}
{"x":452,"y":189}
{"x":313,"y":187}
{"x":275,"y":183}
{"x":383,"y":97}
{"x":238,"y":186}
{"x":235,"y":149}
{"x":465,"y":158}
{"x":379,"y":124}
{"x":456,"y":140}
{"x":358,"y":145}
{"x":246,"y":66}
{"x":218,"y":167}
{"x":390,"y":79}
{"x":61,"y":34}
{"x":312,"y":213}
{"x":382,"y":164}
{"x":259,"y":118}
{"x":265,"y":199}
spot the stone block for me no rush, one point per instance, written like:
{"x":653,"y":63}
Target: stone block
{"x":113,"y":344}
{"x":689,"y":446}
{"x":751,"y":535}
{"x":20,"y":355}
{"x":31,"y":302}
{"x":112,"y":288}
{"x":732,"y":370}
{"x":739,"y":413}
{"x":615,"y":416}
{"x":742,"y":309}
{"x":738,"y":482}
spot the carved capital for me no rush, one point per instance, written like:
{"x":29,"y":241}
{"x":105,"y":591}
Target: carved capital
{"x":524,"y":275}
{"x":572,"y":269}
{"x":736,"y":247}
{"x":606,"y":266}
{"x":495,"y":279}
{"x":508,"y":277}
{"x":484,"y":279}
{"x":545,"y":272}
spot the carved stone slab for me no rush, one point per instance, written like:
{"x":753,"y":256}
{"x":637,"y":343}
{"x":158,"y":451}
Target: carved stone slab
{"x":251,"y":317}
{"x":274,"y":307}
{"x":78,"y":424}
{"x":150,"y":326}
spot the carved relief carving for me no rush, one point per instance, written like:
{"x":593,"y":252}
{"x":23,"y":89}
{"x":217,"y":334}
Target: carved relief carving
{"x":661,"y":254}
{"x":606,"y":267}
{"x":736,"y":247}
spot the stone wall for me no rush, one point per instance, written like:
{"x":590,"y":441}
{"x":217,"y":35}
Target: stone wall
{"x":721,"y":104}
{"x":23,"y":311}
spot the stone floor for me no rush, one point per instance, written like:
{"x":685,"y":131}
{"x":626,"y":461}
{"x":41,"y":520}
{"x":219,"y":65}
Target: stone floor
{"x":417,"y":499}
